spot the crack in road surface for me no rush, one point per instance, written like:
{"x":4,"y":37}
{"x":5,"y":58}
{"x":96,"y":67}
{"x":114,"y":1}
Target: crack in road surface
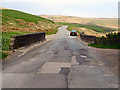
{"x":64,"y":62}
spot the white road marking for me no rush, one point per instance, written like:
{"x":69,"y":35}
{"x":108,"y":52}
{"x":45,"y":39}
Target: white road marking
{"x":83,"y":56}
{"x":100,"y":64}
{"x":24,"y":62}
{"x":32,"y":59}
{"x":107,"y":75}
{"x":22,"y":54}
{"x":87,"y":60}
{"x":92,"y":66}
{"x":102,"y":69}
{"x":72,"y":36}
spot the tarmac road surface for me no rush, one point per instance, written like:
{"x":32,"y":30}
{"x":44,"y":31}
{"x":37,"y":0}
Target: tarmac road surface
{"x":64,"y":62}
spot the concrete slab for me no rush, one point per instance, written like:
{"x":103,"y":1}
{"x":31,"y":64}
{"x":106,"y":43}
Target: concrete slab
{"x":85,"y":76}
{"x":53,"y":67}
{"x":74,"y":60}
{"x":34,"y":81}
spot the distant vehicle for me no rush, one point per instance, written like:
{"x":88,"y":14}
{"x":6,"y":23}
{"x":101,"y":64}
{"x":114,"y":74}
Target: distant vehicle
{"x":73,"y":33}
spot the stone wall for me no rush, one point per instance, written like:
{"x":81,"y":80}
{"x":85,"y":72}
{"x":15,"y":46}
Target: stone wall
{"x":87,"y":38}
{"x":101,"y":41}
{"x":18,"y":41}
{"x":107,"y":41}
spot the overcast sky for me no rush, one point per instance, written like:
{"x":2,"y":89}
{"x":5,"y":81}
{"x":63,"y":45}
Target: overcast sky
{"x":81,"y":8}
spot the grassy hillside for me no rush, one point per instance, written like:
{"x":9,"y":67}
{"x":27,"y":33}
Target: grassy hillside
{"x":16,"y":22}
{"x":13,"y":20}
{"x":104,"y":22}
{"x":89,"y":29}
{"x":21,"y":15}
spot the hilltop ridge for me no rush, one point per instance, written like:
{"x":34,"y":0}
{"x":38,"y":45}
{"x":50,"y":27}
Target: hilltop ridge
{"x":105,"y":22}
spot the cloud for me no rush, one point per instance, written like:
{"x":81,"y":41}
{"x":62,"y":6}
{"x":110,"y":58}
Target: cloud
{"x":53,"y":3}
{"x":62,"y":1}
{"x":59,"y":3}
{"x":90,"y":8}
{"x":58,"y":0}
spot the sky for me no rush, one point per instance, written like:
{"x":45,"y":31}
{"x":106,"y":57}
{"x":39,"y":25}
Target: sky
{"x":80,"y":8}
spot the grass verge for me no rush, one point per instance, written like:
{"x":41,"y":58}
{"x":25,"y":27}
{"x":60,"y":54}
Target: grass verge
{"x":54,"y":31}
{"x":4,"y":55}
{"x":104,"y":46}
{"x":6,"y":39}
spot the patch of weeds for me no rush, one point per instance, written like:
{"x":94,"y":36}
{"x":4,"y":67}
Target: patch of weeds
{"x":104,"y":46}
{"x":4,"y":55}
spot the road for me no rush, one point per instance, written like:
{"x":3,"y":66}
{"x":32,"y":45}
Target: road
{"x":63,"y":62}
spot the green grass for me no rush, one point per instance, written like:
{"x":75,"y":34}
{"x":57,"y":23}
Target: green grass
{"x":96,"y":28}
{"x":104,"y":46}
{"x":6,"y":39}
{"x":8,"y":15}
{"x":4,"y":55}
{"x":54,"y":31}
